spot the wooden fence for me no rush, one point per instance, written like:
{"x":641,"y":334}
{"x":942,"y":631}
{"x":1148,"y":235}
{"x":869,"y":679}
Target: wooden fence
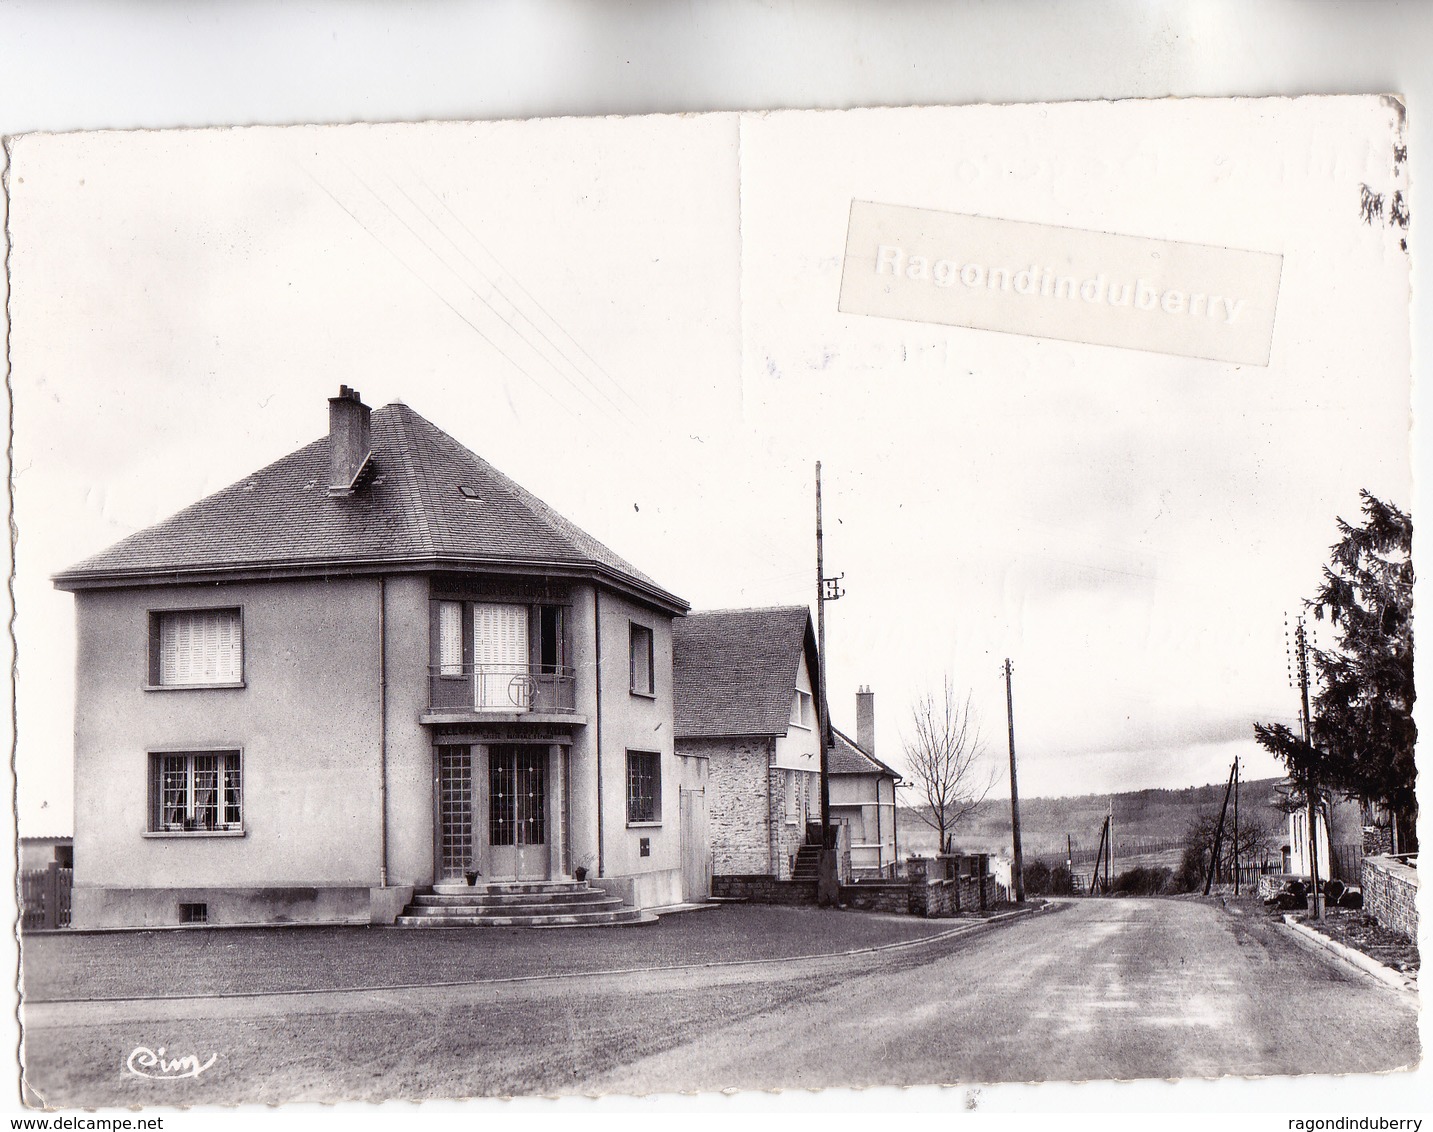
{"x":45,"y":898}
{"x":1085,"y":854}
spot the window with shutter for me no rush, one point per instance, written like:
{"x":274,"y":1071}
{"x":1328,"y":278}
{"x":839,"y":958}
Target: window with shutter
{"x":450,"y":638}
{"x":196,"y":648}
{"x":500,"y":656}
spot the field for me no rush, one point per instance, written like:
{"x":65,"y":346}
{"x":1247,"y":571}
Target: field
{"x":1149,"y":824}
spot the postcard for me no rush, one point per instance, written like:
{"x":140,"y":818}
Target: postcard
{"x":713,"y":602}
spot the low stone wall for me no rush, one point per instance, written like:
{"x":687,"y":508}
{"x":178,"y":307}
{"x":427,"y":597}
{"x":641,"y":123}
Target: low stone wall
{"x":933,"y":888}
{"x":758,"y":888}
{"x":973,"y":892}
{"x":950,"y":885}
{"x":1271,"y":884}
{"x":1390,"y":892}
{"x":937,"y":898}
{"x":884,"y":896}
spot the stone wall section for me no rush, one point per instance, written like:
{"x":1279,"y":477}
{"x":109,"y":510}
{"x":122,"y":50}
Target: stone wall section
{"x":889,"y":896}
{"x":762,"y":889}
{"x":738,"y":818}
{"x":1390,"y":894}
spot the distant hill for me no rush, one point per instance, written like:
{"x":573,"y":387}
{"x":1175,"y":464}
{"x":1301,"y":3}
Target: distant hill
{"x":1145,"y":820}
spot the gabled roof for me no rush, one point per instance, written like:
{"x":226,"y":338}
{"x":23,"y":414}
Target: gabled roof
{"x":423,"y":499}
{"x":845,"y":757}
{"x":734,"y":670}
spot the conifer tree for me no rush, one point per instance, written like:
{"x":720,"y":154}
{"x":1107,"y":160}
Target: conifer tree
{"x":1362,"y":731}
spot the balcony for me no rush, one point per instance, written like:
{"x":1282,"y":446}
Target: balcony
{"x":502,"y":693}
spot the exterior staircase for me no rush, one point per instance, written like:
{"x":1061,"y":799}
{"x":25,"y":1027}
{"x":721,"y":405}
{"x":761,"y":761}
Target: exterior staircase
{"x":807,"y":865}
{"x":518,"y":904}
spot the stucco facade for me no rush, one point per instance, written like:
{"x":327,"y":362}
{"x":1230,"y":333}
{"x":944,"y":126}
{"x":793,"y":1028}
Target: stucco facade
{"x":393,"y":704}
{"x":865,"y":804}
{"x":320,"y":710}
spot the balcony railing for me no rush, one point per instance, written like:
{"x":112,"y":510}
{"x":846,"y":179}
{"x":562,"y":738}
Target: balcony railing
{"x":538,"y":688}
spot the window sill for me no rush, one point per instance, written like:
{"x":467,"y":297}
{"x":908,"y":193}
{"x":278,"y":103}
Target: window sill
{"x":644,"y":825}
{"x":192,"y":687}
{"x":644,"y":695}
{"x":160,"y":834}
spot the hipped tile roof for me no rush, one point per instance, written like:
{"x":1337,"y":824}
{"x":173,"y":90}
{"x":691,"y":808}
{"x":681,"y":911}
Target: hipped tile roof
{"x":734,"y":670}
{"x":407,"y":508}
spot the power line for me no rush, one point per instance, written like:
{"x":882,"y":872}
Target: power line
{"x":497,"y":287}
{"x":457,"y":275}
{"x":441,"y":297}
{"x":529,"y":295}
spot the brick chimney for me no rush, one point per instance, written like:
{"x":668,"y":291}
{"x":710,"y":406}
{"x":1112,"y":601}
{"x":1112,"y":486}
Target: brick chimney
{"x":866,"y":720}
{"x":348,"y":439}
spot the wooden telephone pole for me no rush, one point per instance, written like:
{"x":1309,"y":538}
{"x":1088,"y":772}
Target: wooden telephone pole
{"x":1301,"y":642}
{"x":1019,"y":864}
{"x":827,"y":589}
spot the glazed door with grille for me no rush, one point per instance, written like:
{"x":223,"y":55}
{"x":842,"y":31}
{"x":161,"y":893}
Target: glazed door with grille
{"x":517,"y":812}
{"x":455,"y":811}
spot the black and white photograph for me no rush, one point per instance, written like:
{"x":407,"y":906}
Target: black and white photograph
{"x":633,"y":604}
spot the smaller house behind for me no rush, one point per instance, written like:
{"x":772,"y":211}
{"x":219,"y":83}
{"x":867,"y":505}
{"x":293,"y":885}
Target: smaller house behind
{"x":744,"y":685}
{"x":863,"y":795}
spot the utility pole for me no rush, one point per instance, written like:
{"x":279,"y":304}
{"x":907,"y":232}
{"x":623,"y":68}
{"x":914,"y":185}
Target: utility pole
{"x":1236,"y":825}
{"x":827,"y":589}
{"x":1301,"y":642}
{"x":823,"y":717}
{"x":1014,"y":791}
{"x":1110,"y":860}
{"x":1218,"y":845}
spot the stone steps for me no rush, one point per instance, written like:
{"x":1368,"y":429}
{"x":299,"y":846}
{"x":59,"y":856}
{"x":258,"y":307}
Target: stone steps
{"x":508,"y":887}
{"x":807,"y":865}
{"x":608,"y":918}
{"x":506,"y":904}
{"x":508,"y":899}
{"x":598,"y":902}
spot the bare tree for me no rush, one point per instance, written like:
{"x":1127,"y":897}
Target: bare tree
{"x":947,"y":761}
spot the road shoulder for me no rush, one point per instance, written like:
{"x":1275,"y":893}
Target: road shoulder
{"x":1322,"y":944}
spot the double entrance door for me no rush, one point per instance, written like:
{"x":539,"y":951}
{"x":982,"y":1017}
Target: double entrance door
{"x":495,"y":810}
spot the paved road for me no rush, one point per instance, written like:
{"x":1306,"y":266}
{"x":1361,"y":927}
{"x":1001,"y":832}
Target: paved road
{"x":1098,"y":989}
{"x":1103,"y":989}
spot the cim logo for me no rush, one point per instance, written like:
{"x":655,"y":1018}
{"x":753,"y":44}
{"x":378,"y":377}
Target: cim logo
{"x":155,"y":1065}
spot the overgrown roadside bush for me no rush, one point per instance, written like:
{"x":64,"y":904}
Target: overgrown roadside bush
{"x":1144,"y":882}
{"x":1042,"y":880}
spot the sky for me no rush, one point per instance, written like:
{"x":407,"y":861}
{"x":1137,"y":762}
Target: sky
{"x":637,"y":320}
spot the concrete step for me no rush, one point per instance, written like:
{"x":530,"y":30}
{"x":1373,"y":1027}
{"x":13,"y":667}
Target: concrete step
{"x":457,"y":888}
{"x":507,"y":899}
{"x":534,"y":904}
{"x":507,"y":911}
{"x":554,"y":920}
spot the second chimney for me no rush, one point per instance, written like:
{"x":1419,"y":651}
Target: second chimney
{"x":866,"y":720}
{"x":348,"y":439}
